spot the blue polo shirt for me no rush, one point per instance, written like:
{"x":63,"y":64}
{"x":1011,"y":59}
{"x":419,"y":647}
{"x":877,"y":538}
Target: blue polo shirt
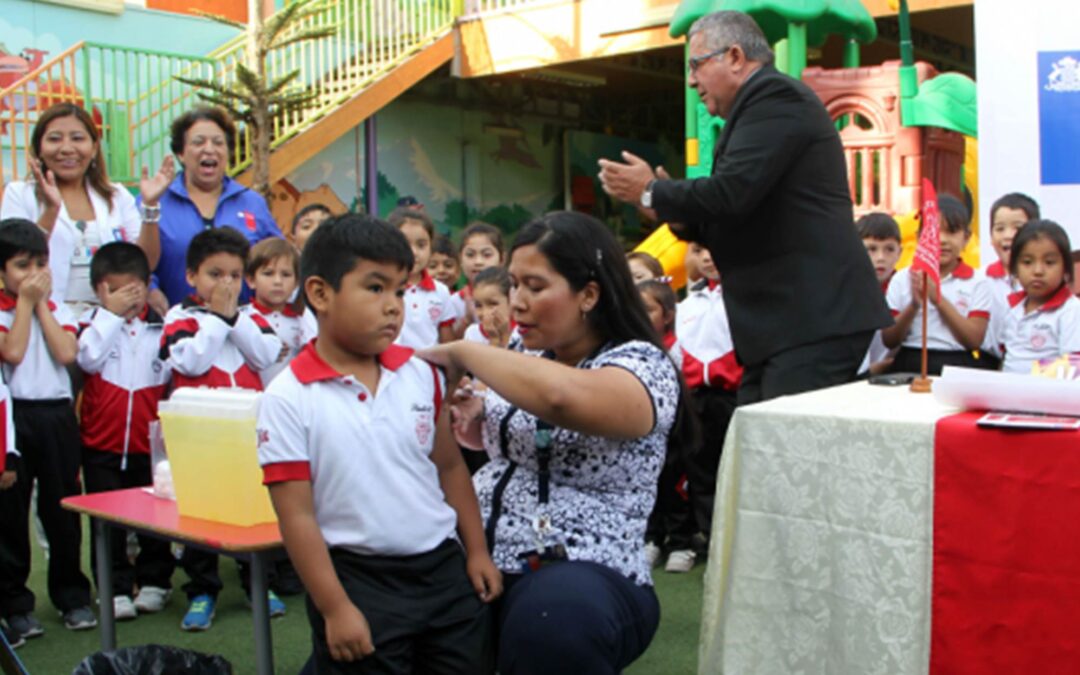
{"x":238,"y":207}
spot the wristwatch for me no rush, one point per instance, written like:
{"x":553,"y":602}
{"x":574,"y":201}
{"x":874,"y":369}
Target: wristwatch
{"x":646,"y":195}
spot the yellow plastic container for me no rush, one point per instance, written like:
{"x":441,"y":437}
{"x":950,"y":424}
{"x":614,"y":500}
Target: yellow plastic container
{"x":211,"y":442}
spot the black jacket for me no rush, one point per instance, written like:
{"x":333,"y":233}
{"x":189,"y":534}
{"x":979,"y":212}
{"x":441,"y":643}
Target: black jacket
{"x":776,"y":216}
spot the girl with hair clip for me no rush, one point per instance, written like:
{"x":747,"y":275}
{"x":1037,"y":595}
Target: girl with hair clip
{"x":71,"y":198}
{"x":578,"y":416}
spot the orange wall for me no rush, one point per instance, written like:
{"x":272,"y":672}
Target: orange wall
{"x":231,"y":9}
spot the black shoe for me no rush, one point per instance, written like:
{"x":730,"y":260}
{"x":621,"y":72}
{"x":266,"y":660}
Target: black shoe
{"x":13,"y":639}
{"x":26,"y":625}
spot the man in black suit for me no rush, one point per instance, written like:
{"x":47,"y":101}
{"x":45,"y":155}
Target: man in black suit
{"x":775,"y":214}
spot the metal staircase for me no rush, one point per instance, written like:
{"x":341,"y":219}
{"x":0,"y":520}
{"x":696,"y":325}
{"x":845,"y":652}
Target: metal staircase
{"x":378,"y":49}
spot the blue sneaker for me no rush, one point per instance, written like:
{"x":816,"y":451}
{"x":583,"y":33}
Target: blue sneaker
{"x":200,"y":614}
{"x":275,"y":605}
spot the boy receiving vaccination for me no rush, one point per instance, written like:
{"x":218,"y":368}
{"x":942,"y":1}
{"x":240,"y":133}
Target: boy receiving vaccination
{"x":125,"y":380}
{"x":880,"y":235}
{"x":273,"y":268}
{"x":957,"y":316}
{"x":208,"y":342}
{"x":429,"y":313}
{"x":375,"y":505}
{"x":37,"y":342}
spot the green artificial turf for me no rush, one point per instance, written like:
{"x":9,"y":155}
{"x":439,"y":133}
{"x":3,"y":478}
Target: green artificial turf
{"x":673,"y":651}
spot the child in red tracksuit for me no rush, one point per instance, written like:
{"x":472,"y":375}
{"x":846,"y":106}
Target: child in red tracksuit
{"x":209,"y":342}
{"x":713,"y":376}
{"x":125,"y":380}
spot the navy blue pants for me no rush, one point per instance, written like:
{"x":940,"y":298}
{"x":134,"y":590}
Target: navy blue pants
{"x":574,"y":617}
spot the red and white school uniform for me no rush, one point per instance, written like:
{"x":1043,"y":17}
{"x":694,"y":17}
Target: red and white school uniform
{"x":289,"y":327}
{"x":427,"y":308}
{"x":7,"y":429}
{"x":39,"y":376}
{"x":367,"y":454}
{"x":964,"y":288}
{"x":476,"y":333}
{"x":460,"y":301}
{"x":708,"y":352}
{"x":310,"y":324}
{"x":204,"y":350}
{"x":1000,"y":284}
{"x":1044,"y":333}
{"x":125,"y":380}
{"x":877,"y":351}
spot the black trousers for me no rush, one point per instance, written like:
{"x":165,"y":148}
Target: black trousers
{"x":204,"y":577}
{"x":574,"y":617}
{"x":155,"y":563}
{"x":47,"y":436}
{"x":424,"y":614}
{"x":909,"y":360}
{"x":818,"y":365}
{"x":671,"y":524}
{"x":714,"y":408}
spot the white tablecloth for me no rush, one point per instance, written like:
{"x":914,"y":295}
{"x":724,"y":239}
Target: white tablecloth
{"x":821,"y":541}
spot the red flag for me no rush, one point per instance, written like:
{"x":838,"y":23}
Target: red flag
{"x":928,"y":251}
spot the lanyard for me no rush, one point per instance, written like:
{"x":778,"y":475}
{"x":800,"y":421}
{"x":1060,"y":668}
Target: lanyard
{"x":543,"y":459}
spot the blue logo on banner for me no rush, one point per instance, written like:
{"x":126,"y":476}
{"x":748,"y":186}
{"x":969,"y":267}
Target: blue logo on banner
{"x":1059,"y":117}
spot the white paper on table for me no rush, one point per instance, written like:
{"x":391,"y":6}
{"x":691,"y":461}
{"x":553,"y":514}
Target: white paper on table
{"x":974,"y":389}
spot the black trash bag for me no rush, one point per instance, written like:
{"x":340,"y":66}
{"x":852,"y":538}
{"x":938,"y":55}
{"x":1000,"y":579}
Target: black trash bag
{"x":153,"y":660}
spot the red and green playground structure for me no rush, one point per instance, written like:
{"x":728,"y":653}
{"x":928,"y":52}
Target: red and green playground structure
{"x":898,"y":121}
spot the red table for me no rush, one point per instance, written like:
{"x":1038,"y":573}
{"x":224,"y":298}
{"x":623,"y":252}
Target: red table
{"x":137,"y":509}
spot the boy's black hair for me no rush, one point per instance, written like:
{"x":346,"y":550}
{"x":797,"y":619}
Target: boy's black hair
{"x":1042,"y":229}
{"x":308,"y":209}
{"x":1018,"y":201}
{"x":119,"y":257}
{"x":19,"y":235}
{"x":877,"y":225}
{"x":496,"y":276}
{"x":954,"y":215}
{"x":400,"y":216}
{"x":444,"y":245}
{"x":341,"y":241}
{"x":213,"y":241}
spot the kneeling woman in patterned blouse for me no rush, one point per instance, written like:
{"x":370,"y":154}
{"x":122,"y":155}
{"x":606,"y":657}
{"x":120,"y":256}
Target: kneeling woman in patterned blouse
{"x":577,"y":418}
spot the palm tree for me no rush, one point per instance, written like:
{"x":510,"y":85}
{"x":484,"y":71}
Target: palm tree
{"x":251,"y":97}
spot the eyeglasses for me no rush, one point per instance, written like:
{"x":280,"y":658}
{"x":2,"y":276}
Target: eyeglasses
{"x":695,"y":62}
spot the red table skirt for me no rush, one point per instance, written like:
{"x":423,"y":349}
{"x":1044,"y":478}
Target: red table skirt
{"x":1006,"y":567}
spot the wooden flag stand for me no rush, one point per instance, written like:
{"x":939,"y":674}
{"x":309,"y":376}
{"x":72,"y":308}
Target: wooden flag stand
{"x":922,"y":384}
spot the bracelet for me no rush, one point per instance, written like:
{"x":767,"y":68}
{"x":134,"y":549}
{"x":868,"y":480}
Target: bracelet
{"x":150,"y":214}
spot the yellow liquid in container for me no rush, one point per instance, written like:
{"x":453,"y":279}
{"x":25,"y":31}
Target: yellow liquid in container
{"x":211,"y":443}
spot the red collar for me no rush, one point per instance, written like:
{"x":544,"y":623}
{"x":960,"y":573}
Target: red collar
{"x":8,"y":302}
{"x":427,"y":282}
{"x":888,"y":280}
{"x":192,"y":301}
{"x":1059,"y":298}
{"x":713,"y":283}
{"x":266,"y":311}
{"x":997,"y":271}
{"x":309,"y":367}
{"x":669,"y":339}
{"x":962,"y":271}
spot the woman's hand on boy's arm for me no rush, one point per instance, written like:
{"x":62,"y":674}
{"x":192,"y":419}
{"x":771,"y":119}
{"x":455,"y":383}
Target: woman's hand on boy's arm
{"x":348,"y":635}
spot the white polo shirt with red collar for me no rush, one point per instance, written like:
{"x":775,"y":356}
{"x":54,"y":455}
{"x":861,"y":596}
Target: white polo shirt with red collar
{"x":427,"y":307}
{"x":1000,"y":284}
{"x":367,"y":454}
{"x":39,"y":377}
{"x":964,"y":288}
{"x":288,"y":325}
{"x":1043,"y":333}
{"x":704,"y":337}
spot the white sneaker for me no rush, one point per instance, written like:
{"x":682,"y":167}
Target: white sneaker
{"x":680,"y":561}
{"x":151,"y":599}
{"x":123,"y":608}
{"x":652,"y":554}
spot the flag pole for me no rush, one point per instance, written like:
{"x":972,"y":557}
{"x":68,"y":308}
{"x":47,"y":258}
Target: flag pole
{"x":921,"y":384}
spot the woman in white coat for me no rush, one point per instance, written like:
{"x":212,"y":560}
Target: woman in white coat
{"x":72,"y":200}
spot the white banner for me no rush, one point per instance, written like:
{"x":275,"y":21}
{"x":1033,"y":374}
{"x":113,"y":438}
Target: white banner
{"x":1027,"y":60}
